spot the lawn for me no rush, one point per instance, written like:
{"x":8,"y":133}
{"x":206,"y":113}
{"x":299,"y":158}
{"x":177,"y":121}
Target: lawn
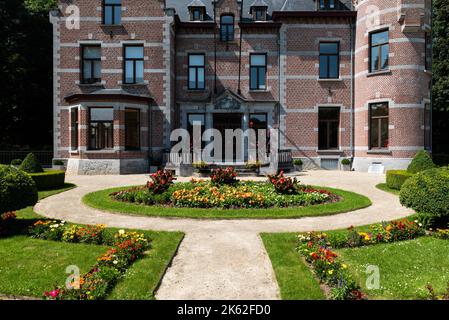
{"x":295,"y":280}
{"x":30,"y":266}
{"x":405,"y":267}
{"x":384,"y":187}
{"x":351,"y":201}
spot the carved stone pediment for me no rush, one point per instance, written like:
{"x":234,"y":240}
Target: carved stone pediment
{"x":227,"y":102}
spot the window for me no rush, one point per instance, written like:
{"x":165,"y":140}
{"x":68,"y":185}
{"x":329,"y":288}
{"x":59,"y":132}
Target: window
{"x":101,"y":128}
{"x":258,"y":121}
{"x":132,"y":129}
{"x":133,"y":64}
{"x":112,"y":12}
{"x":259,"y":14}
{"x":196,"y":14}
{"x":378,"y":119}
{"x":328,"y":125}
{"x":379,"y":51}
{"x":196,"y":72}
{"x":427,"y":127}
{"x":327,"y":4}
{"x":227,"y":28}
{"x":428,"y":44}
{"x":195,"y":119}
{"x":329,"y":60}
{"x":91,"y":64}
{"x":258,"y":71}
{"x":74,"y":128}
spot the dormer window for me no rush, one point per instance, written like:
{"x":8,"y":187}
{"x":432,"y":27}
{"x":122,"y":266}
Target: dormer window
{"x":197,"y":10}
{"x":259,"y":10}
{"x":328,"y":4}
{"x":260,"y":14}
{"x":197,"y":14}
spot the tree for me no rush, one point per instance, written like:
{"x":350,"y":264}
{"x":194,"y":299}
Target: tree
{"x":440,"y":66}
{"x":25,"y":74}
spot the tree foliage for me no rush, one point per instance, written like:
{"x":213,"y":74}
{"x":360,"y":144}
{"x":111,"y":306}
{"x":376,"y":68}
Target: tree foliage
{"x":25,"y":74}
{"x":440,"y":66}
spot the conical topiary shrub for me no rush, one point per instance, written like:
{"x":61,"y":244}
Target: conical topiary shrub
{"x":30,"y":164}
{"x":422,"y":161}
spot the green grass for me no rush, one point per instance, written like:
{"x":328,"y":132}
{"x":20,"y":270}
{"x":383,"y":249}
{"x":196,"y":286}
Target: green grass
{"x":351,"y":201}
{"x":30,"y":266}
{"x":384,"y":187}
{"x":294,"y":278}
{"x":405,"y":267}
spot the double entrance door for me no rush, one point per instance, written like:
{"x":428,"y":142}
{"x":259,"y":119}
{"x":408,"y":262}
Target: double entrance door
{"x":232,"y":121}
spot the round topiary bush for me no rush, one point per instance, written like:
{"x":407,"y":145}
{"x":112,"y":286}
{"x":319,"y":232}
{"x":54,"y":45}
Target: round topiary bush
{"x":17,"y":189}
{"x":422,"y":161}
{"x":30,"y":164}
{"x":396,"y":178}
{"x":427,"y":193}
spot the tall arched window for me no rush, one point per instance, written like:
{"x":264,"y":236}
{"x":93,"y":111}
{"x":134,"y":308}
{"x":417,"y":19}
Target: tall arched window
{"x":227,"y":28}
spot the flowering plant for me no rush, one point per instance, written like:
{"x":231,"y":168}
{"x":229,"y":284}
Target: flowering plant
{"x":160,"y":181}
{"x":5,"y":219}
{"x":47,"y":229}
{"x":96,"y":284}
{"x":87,"y":234}
{"x":282,"y":184}
{"x":223,"y":176}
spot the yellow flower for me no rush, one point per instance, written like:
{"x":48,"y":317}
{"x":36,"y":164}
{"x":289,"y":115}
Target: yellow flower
{"x":344,"y":266}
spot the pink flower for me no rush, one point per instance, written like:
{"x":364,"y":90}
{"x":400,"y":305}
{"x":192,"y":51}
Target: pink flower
{"x":54,"y":293}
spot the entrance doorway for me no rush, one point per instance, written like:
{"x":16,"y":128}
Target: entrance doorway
{"x":223,"y":121}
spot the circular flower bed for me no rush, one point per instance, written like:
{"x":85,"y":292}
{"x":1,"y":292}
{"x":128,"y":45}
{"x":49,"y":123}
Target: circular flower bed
{"x":278,"y":191}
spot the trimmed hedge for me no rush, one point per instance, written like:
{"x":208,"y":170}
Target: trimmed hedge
{"x":422,"y":161}
{"x":396,"y":178}
{"x":17,"y":189}
{"x":30,"y":164}
{"x":427,"y":193}
{"x":50,"y":179}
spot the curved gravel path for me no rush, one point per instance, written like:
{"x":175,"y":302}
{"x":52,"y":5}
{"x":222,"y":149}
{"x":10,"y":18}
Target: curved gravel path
{"x":224,"y":259}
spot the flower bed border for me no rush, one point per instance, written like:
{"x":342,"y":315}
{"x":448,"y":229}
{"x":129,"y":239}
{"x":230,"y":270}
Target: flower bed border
{"x":316,"y":250}
{"x":127,"y":248}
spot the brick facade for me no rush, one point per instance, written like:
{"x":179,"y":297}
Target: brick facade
{"x":294,"y":92}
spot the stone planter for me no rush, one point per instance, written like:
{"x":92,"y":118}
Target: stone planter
{"x":185,"y":170}
{"x":201,"y":173}
{"x":298,"y":167}
{"x":346,"y":167}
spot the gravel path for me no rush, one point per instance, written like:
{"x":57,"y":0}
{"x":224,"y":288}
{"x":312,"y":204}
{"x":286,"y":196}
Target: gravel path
{"x":224,"y":259}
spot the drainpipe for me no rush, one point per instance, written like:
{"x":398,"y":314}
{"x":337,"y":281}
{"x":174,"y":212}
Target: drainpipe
{"x":352,"y":119}
{"x":431,"y":79}
{"x":215,"y":49}
{"x":239,"y":91}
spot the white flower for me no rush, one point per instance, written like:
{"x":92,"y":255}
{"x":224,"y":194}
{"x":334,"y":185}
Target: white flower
{"x":121,"y":231}
{"x":115,"y":262}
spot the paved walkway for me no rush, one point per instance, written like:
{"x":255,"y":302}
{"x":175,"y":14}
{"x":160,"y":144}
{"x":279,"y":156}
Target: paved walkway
{"x":224,"y":259}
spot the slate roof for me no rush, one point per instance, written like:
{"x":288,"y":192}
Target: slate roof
{"x":181,"y":6}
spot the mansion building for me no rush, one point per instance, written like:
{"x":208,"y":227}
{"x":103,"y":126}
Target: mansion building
{"x":337,"y":79}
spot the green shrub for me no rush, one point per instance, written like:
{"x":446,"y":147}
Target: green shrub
{"x":30,"y":164}
{"x":422,"y":161}
{"x":58,"y":162}
{"x":50,"y":179}
{"x":396,"y":178}
{"x":427,"y":193}
{"x":297,"y":162}
{"x":346,"y":162}
{"x":16,"y":162}
{"x":17,"y":189}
